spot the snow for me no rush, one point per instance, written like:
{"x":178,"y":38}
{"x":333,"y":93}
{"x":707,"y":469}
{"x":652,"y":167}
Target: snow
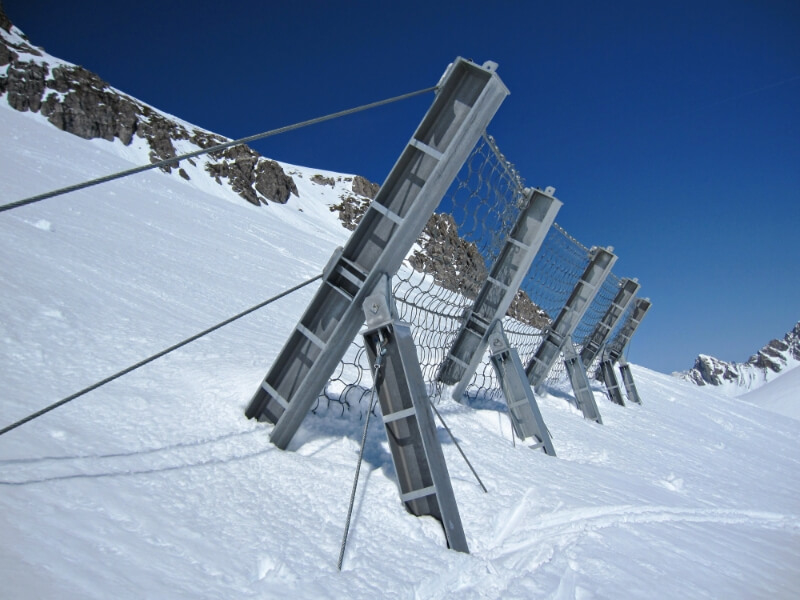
{"x":781,"y":395}
{"x":157,"y":486}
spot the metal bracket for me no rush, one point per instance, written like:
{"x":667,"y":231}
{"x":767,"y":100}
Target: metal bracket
{"x":523,"y":411}
{"x":580,"y":383}
{"x":627,"y":380}
{"x":419,"y":463}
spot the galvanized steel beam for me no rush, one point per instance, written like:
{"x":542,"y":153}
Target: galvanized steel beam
{"x":467,"y":98}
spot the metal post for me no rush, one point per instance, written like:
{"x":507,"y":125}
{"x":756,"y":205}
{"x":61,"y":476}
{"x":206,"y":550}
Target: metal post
{"x":561,"y":329}
{"x":598,"y":337}
{"x":499,"y":288}
{"x":610,"y":380}
{"x":526,"y":418}
{"x":613,"y":353}
{"x":422,"y":474}
{"x":467,"y":98}
{"x":580,"y":383}
{"x":627,"y":380}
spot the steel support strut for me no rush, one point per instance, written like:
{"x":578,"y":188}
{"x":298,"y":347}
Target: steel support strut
{"x":422,"y":474}
{"x":595,"y":341}
{"x":559,"y":332}
{"x":580,"y":383}
{"x":499,"y":288}
{"x":467,"y":98}
{"x":613,"y":353}
{"x":526,"y":418}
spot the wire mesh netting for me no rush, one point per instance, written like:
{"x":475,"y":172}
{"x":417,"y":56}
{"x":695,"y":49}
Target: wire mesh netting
{"x":442,"y":274}
{"x":555,"y":270}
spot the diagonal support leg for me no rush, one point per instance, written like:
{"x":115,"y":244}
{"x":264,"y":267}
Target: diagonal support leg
{"x":580,"y":383}
{"x":627,"y":380}
{"x":422,"y":474}
{"x":610,"y":380}
{"x":526,"y":418}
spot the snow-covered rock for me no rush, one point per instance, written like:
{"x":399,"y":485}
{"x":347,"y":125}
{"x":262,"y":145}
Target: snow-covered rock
{"x":735,"y":379}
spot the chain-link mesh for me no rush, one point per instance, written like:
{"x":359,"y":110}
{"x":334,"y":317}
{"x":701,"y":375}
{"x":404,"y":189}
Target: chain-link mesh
{"x":445,"y":269}
{"x":443,"y":273}
{"x":555,"y":270}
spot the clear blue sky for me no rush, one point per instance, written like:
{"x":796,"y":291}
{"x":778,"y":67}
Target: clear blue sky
{"x":671,"y":130}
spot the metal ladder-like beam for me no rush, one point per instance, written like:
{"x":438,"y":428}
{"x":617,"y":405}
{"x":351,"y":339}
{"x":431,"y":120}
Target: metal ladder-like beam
{"x":523,"y":411}
{"x":580,"y":383}
{"x":594,"y":343}
{"x":467,"y":98}
{"x":499,"y":288}
{"x":613,"y":354}
{"x":559,"y":332}
{"x":419,"y":463}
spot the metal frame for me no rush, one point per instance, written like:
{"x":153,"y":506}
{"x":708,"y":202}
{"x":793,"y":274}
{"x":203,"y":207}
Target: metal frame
{"x":613,"y":354}
{"x":581,"y":387}
{"x":594,"y":343}
{"x":467,"y":98}
{"x":523,"y":411}
{"x":499,"y":289}
{"x":419,"y":463}
{"x":558,"y":334}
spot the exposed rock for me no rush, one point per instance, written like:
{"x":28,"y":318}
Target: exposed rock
{"x":351,"y":209}
{"x":25,"y":85}
{"x":250,"y":175}
{"x":455,"y":263}
{"x":364,"y":187}
{"x":86,"y":107}
{"x":7,"y":55}
{"x":525,"y":311}
{"x":320,"y":180}
{"x":5,"y":22}
{"x":759,"y":368}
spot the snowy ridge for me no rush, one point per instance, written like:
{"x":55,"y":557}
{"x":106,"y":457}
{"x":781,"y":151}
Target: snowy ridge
{"x":157,"y":486}
{"x":734,"y":379}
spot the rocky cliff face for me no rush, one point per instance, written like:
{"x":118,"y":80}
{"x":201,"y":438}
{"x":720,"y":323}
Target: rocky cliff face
{"x":79,"y":102}
{"x":738,"y":378}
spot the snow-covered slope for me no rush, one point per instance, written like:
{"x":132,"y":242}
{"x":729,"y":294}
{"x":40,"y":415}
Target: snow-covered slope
{"x":781,"y":395}
{"x":156,"y":486}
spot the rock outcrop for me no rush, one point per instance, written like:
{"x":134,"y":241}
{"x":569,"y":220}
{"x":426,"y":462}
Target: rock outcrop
{"x":81,"y":103}
{"x":738,"y":378}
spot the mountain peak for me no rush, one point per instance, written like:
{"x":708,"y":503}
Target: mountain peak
{"x":773,"y":359}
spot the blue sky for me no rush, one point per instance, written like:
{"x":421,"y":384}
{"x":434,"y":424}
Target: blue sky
{"x":671,"y":130}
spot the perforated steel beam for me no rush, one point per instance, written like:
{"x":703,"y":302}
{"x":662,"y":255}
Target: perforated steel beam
{"x":523,"y":411}
{"x":467,"y":98}
{"x":594,"y":344}
{"x":499,"y":288}
{"x":419,"y":463}
{"x":601,"y":261}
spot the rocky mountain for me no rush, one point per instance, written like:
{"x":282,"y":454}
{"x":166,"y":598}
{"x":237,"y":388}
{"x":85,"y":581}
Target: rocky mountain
{"x":773,"y":359}
{"x":80,"y":102}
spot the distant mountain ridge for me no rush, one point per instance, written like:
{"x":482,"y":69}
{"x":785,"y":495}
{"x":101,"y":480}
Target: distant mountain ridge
{"x":735,"y":379}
